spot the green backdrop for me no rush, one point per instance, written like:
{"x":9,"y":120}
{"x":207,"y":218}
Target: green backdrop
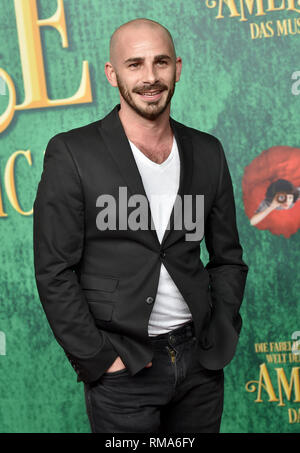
{"x":234,"y":85}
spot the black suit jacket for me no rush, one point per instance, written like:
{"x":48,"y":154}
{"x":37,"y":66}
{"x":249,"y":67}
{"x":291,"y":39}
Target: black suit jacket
{"x":97,"y":287}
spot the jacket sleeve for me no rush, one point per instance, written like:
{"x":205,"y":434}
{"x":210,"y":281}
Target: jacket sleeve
{"x":58,"y":238}
{"x":227,"y":270}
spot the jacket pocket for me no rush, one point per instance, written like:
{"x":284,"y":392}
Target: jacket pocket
{"x":101,"y":310}
{"x":209,"y":312}
{"x":103,"y":283}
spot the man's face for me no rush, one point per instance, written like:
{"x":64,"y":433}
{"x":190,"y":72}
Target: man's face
{"x":146,"y":71}
{"x":289,"y":201}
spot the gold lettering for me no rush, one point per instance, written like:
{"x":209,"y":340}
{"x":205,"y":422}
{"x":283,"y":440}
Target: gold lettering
{"x":211,"y":3}
{"x":267,"y":385}
{"x":294,"y":357}
{"x":7,"y":116}
{"x":33,"y":69}
{"x":231,"y":5}
{"x":28,"y":26}
{"x":261,"y":347}
{"x":250,"y":7}
{"x":255,"y":33}
{"x":282,"y":27}
{"x":294,"y":417}
{"x":2,"y":213}
{"x":292,"y":6}
{"x":282,"y":380}
{"x":272,"y":7}
{"x":9,"y":180}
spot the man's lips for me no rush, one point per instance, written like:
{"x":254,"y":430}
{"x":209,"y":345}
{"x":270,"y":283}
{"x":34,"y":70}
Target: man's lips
{"x":152,"y":94}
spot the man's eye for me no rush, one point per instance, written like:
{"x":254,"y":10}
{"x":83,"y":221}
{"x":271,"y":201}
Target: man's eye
{"x":163,"y":62}
{"x":134,"y":65}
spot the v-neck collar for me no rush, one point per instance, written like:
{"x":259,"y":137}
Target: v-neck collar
{"x":117,"y":144}
{"x":155,"y":164}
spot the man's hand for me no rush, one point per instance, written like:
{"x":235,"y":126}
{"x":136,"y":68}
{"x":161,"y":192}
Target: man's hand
{"x":275,"y":204}
{"x":119,"y":365}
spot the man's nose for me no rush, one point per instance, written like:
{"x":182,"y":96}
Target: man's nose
{"x":150,"y":74}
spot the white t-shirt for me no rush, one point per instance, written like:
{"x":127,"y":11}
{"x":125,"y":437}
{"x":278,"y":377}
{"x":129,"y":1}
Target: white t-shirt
{"x":161,"y":182}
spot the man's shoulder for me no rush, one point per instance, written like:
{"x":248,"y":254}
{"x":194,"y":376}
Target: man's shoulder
{"x":85,"y":134}
{"x":197,"y":135}
{"x":77,"y":134}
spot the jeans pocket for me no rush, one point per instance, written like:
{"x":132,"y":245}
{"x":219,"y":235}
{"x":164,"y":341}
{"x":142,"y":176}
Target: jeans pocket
{"x":110,"y":374}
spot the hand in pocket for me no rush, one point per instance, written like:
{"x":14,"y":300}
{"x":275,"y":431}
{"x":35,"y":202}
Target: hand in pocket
{"x":119,"y":365}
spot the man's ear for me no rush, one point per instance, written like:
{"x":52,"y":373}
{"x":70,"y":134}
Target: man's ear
{"x":110,"y":74}
{"x":178,"y":68}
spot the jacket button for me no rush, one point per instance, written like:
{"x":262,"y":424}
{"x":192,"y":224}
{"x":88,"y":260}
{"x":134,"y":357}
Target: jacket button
{"x":162,"y":254}
{"x":149,"y":300}
{"x":172,"y":339}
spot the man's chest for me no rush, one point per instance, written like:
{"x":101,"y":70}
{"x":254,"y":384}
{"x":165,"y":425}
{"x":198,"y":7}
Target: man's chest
{"x":157,"y":155}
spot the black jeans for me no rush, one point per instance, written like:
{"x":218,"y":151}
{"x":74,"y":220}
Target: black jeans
{"x":175,"y":395}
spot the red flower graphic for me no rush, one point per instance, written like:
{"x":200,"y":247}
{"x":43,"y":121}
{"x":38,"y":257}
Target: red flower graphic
{"x":278,"y":162}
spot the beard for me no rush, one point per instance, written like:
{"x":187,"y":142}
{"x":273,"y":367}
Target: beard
{"x":152,"y":110}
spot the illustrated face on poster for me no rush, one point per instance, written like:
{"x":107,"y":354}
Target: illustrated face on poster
{"x":271,"y":190}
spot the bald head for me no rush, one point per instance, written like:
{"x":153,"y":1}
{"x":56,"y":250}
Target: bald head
{"x":141,"y":25}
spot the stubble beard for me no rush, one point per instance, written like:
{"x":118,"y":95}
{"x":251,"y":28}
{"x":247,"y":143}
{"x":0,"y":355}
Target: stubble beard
{"x":152,"y":111}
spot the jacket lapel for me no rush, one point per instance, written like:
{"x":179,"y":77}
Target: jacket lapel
{"x":118,"y":145}
{"x":185,"y":149}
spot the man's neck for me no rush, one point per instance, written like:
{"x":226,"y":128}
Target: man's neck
{"x":141,"y":130}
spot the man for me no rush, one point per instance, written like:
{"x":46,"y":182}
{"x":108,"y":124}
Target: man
{"x":146,"y":327}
